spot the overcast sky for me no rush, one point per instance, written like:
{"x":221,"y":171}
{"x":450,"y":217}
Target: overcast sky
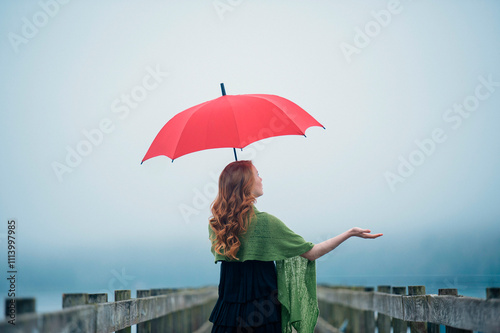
{"x":409,"y":93}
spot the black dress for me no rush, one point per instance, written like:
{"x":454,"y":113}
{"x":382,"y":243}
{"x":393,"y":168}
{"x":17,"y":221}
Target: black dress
{"x":248,"y":298}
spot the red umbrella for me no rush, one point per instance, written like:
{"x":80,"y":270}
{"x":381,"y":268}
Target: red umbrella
{"x":230,"y":121}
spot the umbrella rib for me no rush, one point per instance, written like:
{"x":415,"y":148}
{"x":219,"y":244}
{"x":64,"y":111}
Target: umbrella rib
{"x":294,"y":124}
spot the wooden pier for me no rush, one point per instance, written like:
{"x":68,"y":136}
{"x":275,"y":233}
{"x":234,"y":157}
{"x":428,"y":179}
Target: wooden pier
{"x":342,"y":309}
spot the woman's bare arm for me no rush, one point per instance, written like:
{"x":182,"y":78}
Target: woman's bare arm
{"x":323,"y":248}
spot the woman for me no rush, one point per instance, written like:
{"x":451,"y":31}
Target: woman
{"x":255,"y":295}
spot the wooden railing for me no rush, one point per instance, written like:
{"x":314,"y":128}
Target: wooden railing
{"x":354,"y":309}
{"x":155,"y":310}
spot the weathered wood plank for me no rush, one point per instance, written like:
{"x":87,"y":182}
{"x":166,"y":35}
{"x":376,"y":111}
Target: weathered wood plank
{"x":105,"y":317}
{"x":465,"y":312}
{"x":73,"y":319}
{"x":24,"y":323}
{"x":355,"y":299}
{"x":391,"y":305}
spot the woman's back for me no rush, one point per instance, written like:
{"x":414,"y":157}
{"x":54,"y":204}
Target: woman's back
{"x":247,"y":242}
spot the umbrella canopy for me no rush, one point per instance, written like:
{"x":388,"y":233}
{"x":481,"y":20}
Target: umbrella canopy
{"x":230,"y":121}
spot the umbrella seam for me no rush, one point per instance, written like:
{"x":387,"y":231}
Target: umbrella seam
{"x":236,"y":126}
{"x":282,"y":112}
{"x":182,"y":132}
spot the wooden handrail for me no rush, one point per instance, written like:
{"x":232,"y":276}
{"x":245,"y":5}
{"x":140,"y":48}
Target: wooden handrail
{"x":111,"y":316}
{"x":459,"y":312}
{"x":188,"y":310}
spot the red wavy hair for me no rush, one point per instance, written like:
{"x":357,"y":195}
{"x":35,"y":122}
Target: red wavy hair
{"x":232,"y":209}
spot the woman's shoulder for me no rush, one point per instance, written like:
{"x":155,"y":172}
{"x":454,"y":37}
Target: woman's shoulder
{"x":266,"y":216}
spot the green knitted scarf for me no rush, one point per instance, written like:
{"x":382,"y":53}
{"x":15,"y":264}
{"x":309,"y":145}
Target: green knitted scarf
{"x":269,"y":239}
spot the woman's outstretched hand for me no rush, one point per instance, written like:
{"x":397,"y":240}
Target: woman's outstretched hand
{"x":324,"y":247}
{"x":363,"y":233}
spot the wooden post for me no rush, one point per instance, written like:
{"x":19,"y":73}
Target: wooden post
{"x":345,"y":318}
{"x":70,"y":300}
{"x":123,"y":295}
{"x":368,"y":316}
{"x":492,"y":293}
{"x":384,"y":321}
{"x":176,"y":318}
{"x":186,"y":316}
{"x":74,"y":299}
{"x":98,"y":298}
{"x":452,"y":292}
{"x":433,"y":328}
{"x":19,"y":306}
{"x":194,"y":318}
{"x":338,"y":312}
{"x":417,"y":327}
{"x":448,"y":292}
{"x":355,"y":317}
{"x":189,"y":314}
{"x":162,"y":324}
{"x":170,"y":320}
{"x":398,"y":325}
{"x":436,"y":328}
{"x":328,"y":311}
{"x":144,"y":327}
{"x":207,"y":309}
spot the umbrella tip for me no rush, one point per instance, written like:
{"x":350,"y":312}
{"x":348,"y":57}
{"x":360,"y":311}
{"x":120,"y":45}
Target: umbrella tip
{"x":223,"y":89}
